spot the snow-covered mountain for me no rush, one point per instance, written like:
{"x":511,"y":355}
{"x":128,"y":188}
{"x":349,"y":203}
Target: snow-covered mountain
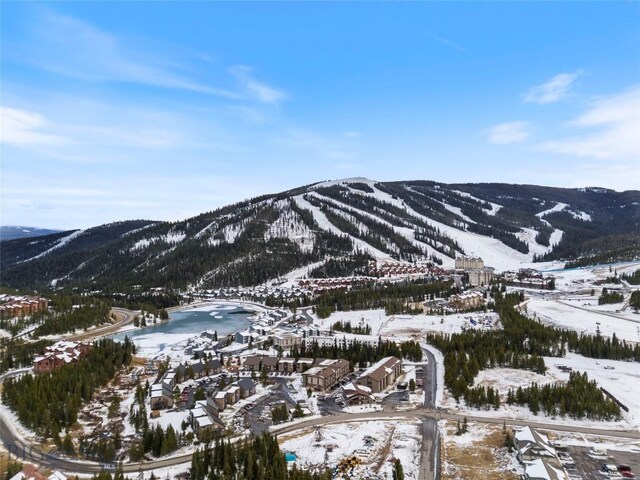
{"x":9,"y":232}
{"x":339,"y":225}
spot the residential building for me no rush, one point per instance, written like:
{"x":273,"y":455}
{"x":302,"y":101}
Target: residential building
{"x":544,"y":469}
{"x":481,"y":276}
{"x":467,"y":300}
{"x":469,"y":263}
{"x":247,"y":387}
{"x":220,"y":399}
{"x":531,"y":445}
{"x":381,"y":375}
{"x":355,"y":394}
{"x":326,"y":374}
{"x":161,"y":396}
{"x":287,"y":340}
{"x":58,"y":354}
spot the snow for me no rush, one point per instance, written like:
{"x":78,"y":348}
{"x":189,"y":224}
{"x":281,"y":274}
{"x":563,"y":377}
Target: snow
{"x":570,"y":314}
{"x":621,"y":381}
{"x":405,"y":232}
{"x":324,"y":223}
{"x":495,"y":253}
{"x":458,"y":212}
{"x":61,"y":242}
{"x":289,"y":225}
{"x":528,"y":235}
{"x":494,"y":206}
{"x":173,"y":418}
{"x":407,"y":325}
{"x":373,"y":318}
{"x":348,"y":439}
{"x":558,"y":207}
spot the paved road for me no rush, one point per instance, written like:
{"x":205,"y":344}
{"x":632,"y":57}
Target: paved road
{"x":13,"y":443}
{"x":124,"y":316}
{"x":429,"y":454}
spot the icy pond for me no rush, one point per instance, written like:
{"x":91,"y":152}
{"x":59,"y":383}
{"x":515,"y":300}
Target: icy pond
{"x":184,"y":324}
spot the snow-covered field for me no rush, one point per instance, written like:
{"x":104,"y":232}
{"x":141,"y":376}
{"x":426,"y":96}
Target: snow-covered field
{"x":326,"y":446}
{"x":618,"y":377}
{"x":571,"y":314}
{"x":408,"y":325}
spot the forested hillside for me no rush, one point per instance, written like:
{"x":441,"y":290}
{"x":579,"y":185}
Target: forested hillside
{"x":334,"y":228}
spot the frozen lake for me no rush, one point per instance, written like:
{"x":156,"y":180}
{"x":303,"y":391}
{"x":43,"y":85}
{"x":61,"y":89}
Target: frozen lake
{"x":155,"y":339}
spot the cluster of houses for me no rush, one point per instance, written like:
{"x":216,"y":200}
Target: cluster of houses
{"x":205,"y":416}
{"x":12,"y":306}
{"x":399,"y":269}
{"x":59,"y":354}
{"x":529,"y":278}
{"x":258,"y":293}
{"x":539,"y":458}
{"x":322,"y":285}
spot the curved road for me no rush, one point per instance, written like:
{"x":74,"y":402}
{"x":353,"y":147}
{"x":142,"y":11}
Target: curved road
{"x":14,"y":444}
{"x":427,"y":413}
{"x":124,"y":316}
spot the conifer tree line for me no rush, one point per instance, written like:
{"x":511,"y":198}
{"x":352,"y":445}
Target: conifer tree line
{"x":154,"y":440}
{"x":578,"y":398}
{"x":634,"y":301}
{"x":610,"y":297}
{"x":346,"y":327}
{"x":520,"y":344}
{"x":16,"y":352}
{"x":347,"y":266}
{"x":361,"y":354}
{"x":395,"y":298}
{"x":632,"y":278}
{"x":49,"y":402}
{"x":257,"y":458}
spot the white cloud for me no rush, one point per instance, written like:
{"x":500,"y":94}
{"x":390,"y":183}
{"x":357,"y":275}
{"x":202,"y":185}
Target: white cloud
{"x":257,"y":90}
{"x":510,"y":132}
{"x":552,"y":91}
{"x":614,"y":124}
{"x":23,"y":127}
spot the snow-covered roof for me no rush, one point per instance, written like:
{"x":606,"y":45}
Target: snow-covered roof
{"x":57,"y":476}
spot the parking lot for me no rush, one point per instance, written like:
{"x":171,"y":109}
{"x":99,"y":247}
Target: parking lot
{"x":590,"y":468}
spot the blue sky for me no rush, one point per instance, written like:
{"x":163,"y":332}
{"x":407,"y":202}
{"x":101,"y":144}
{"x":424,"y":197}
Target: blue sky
{"x":114,"y":111}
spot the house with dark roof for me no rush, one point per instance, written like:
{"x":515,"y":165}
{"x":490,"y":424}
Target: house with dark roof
{"x":247,"y":387}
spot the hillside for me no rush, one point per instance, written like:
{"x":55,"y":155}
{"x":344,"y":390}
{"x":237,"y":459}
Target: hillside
{"x":10,"y":232}
{"x":338,"y":225}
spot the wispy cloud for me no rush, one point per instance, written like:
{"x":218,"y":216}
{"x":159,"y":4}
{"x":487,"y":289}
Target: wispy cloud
{"x":351,"y":134}
{"x":23,"y":127}
{"x":448,"y":43}
{"x":255,"y":89}
{"x":510,"y":132}
{"x":552,"y":91}
{"x":71,"y":47}
{"x":613,"y":123}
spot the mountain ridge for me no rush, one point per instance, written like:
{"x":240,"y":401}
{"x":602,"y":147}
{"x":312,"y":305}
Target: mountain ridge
{"x":340,"y":223}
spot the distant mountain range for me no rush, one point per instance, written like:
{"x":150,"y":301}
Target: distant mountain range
{"x":335,"y":228}
{"x":10,"y":232}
